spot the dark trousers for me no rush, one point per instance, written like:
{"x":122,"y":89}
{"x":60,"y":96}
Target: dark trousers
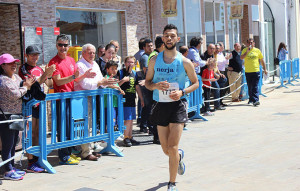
{"x":9,"y":140}
{"x":206,"y":95}
{"x":216,"y":93}
{"x":223,"y":82}
{"x":63,"y":153}
{"x":252,"y":79}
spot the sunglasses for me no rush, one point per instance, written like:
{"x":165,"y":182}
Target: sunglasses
{"x":62,"y":45}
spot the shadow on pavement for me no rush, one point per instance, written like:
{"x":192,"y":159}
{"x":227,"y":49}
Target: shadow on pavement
{"x":157,"y":187}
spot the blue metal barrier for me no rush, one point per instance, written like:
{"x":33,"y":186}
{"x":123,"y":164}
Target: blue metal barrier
{"x":244,"y":89}
{"x":285,"y":72}
{"x":260,"y":83}
{"x":78,"y":120}
{"x":295,"y":69}
{"x":195,"y":101}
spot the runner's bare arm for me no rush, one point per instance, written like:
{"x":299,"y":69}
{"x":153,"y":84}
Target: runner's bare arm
{"x":149,"y":77}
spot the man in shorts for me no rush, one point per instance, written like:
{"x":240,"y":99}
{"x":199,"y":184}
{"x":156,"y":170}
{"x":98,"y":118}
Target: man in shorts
{"x":166,"y":78}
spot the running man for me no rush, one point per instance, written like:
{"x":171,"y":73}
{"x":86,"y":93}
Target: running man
{"x":166,"y":77}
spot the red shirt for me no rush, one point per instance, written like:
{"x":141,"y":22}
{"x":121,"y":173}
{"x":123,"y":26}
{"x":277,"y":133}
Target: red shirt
{"x":65,"y":67}
{"x":207,"y":74}
{"x":34,"y":71}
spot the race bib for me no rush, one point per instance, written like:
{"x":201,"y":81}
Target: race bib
{"x":164,"y":95}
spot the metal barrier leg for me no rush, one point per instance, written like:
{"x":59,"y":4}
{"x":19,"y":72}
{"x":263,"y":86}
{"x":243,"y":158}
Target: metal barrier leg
{"x":43,"y":140}
{"x":110,"y":127}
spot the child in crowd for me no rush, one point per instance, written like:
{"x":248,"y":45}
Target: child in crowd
{"x":207,"y":77}
{"x":129,"y":83}
{"x":111,"y":71}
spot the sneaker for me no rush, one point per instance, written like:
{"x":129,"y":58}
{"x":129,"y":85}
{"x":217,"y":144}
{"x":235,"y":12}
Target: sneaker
{"x":220,"y":108}
{"x":134,"y":142}
{"x":19,"y":172}
{"x":35,"y":168}
{"x":75,"y":157}
{"x":12,"y":175}
{"x":70,"y":161}
{"x":172,"y":187}
{"x":250,"y":102}
{"x":127,"y":142}
{"x":208,"y":113}
{"x":98,"y":147}
{"x":256,"y":103}
{"x":181,"y":166}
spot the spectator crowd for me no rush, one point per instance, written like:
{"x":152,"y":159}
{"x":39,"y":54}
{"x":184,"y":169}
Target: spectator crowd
{"x":102,"y":67}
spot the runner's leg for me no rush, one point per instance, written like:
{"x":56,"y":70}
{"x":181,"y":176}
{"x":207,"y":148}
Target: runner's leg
{"x":173,"y":142}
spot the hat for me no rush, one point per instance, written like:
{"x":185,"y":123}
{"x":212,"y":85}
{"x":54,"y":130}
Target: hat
{"x":32,"y":50}
{"x":7,"y":58}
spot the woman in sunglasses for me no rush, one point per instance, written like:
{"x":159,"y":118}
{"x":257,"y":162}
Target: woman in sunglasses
{"x":11,"y":103}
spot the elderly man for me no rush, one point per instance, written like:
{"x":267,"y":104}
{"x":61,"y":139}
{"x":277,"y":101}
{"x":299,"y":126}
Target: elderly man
{"x":235,"y":68}
{"x":87,"y":63}
{"x":63,"y":81}
{"x":209,"y":53}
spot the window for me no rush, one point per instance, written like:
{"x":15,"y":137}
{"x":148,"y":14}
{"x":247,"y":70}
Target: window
{"x":234,"y":29}
{"x":95,"y":27}
{"x":193,"y":19}
{"x":214,"y":22}
{"x":178,"y":22}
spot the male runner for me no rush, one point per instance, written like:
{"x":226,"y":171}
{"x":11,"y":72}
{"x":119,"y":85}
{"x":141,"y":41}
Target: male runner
{"x":166,"y":77}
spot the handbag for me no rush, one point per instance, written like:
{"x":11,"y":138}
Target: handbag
{"x":16,"y":125}
{"x":276,"y":61}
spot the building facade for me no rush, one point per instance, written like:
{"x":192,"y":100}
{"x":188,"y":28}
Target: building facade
{"x":99,"y":21}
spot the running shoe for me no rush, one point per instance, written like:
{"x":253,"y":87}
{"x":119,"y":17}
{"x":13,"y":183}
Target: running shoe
{"x":181,"y":166}
{"x":19,"y":172}
{"x":35,"y":168}
{"x":127,"y":142}
{"x":12,"y":175}
{"x":172,"y":187}
{"x":256,"y":103}
{"x":70,"y":161}
{"x":208,"y":113}
{"x":75,"y":157}
{"x":134,"y":142}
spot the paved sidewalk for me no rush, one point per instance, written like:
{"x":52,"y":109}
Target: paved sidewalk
{"x":243,"y":148}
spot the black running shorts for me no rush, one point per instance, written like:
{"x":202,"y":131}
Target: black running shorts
{"x":163,"y":113}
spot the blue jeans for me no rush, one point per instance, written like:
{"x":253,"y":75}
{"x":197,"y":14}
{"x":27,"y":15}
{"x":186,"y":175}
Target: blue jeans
{"x":63,"y":153}
{"x":252,"y":82}
{"x":9,"y":140}
{"x":216,"y":93}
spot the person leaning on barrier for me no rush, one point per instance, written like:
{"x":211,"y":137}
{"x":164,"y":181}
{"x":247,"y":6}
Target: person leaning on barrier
{"x":29,"y":69}
{"x":253,"y":57}
{"x":11,"y":103}
{"x":282,"y":52}
{"x":87,"y":63}
{"x":209,"y":53}
{"x":63,"y":81}
{"x":193,"y":54}
{"x":235,"y":68}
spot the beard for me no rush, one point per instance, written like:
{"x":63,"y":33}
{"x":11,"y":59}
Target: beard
{"x":170,"y":48}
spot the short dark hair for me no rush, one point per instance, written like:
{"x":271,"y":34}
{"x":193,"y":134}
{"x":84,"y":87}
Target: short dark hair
{"x":100,"y":47}
{"x":183,"y":49}
{"x":147,"y":41}
{"x":195,"y":41}
{"x":110,"y":63}
{"x":108,"y":46}
{"x":158,"y":42}
{"x":63,"y":37}
{"x":169,"y":27}
{"x":141,"y":43}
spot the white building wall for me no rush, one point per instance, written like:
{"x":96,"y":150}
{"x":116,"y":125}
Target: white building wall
{"x":285,"y":32}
